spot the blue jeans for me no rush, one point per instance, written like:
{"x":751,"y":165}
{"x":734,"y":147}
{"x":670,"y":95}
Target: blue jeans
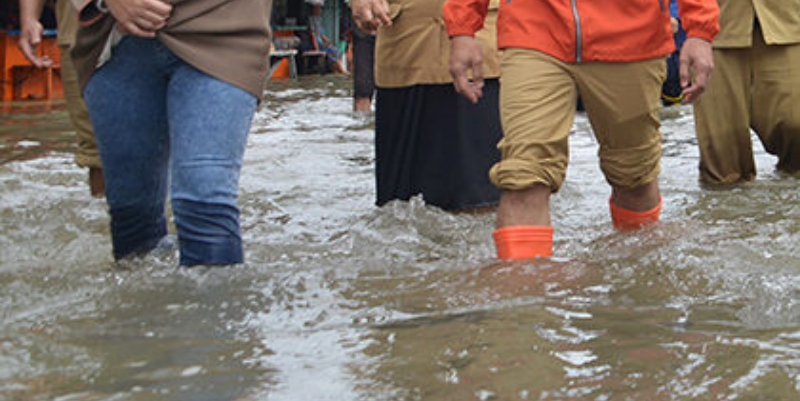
{"x":158,"y":122}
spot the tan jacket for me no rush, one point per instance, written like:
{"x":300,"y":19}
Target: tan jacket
{"x":415,"y":49}
{"x":779,"y":19}
{"x":227,"y":39}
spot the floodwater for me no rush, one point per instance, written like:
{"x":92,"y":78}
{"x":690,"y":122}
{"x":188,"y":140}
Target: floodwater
{"x":344,"y":301}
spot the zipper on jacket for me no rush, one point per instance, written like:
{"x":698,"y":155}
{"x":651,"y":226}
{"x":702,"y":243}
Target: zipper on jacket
{"x":578,"y":36}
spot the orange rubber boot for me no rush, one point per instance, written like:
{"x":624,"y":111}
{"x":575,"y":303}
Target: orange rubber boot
{"x":523,"y":242}
{"x":625,"y":219}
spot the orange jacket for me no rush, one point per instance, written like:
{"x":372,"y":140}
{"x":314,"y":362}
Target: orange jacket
{"x":577,"y":31}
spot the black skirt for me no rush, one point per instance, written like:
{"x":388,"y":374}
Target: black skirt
{"x":430,"y":140}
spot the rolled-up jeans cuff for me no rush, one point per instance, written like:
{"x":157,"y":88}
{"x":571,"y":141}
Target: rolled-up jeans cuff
{"x":208,"y":233}
{"x":195,"y":253}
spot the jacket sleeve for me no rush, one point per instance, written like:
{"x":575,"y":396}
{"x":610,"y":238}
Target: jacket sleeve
{"x":464,"y":17}
{"x":699,"y":18}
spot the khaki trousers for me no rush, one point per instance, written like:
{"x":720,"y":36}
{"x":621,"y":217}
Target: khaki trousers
{"x":538,"y":99}
{"x":87,"y":154}
{"x":754,"y":88}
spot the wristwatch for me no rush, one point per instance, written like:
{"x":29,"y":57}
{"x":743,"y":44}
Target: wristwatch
{"x":101,"y":6}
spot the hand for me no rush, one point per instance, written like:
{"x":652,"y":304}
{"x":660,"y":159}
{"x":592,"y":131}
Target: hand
{"x":466,"y":67}
{"x":369,"y":15}
{"x":30,"y":34}
{"x":697,"y":63}
{"x":141,"y":18}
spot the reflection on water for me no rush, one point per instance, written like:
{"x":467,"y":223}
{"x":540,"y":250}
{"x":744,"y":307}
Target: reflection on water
{"x":343,"y":301}
{"x":30,"y":129}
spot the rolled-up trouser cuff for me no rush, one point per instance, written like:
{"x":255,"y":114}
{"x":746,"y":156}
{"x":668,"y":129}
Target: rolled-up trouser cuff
{"x":632,"y":167}
{"x":518,"y":174}
{"x":195,"y":253}
{"x":208,"y":233}
{"x":88,"y":161}
{"x":136,"y":230}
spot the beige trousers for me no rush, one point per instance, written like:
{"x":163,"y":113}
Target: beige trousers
{"x":754,"y":88}
{"x":87,"y":154}
{"x":538,"y":99}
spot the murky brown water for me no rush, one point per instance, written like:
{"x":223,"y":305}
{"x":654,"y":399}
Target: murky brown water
{"x":343,"y":301}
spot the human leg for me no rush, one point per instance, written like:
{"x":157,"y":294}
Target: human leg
{"x":363,"y":70}
{"x":87,"y":154}
{"x":523,"y":224}
{"x":209,"y":122}
{"x":538,"y":98}
{"x":622,"y":103}
{"x":776,"y":95}
{"x":126,"y":99}
{"x":362,"y":103}
{"x":635,"y":207}
{"x":525,"y":207}
{"x":722,"y":120}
